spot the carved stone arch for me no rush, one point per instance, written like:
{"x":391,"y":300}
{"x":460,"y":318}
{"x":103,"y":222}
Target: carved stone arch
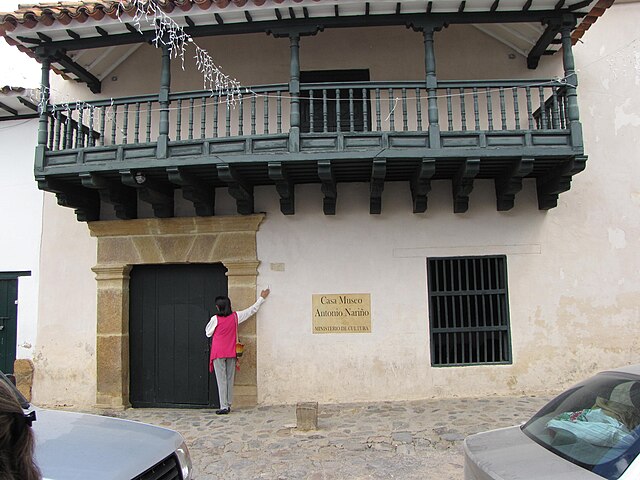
{"x":122,"y":244}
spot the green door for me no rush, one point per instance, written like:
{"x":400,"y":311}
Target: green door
{"x":169,"y":309}
{"x":8,"y":323}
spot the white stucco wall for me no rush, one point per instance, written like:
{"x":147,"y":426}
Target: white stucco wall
{"x":21,"y":218}
{"x":573,"y":282}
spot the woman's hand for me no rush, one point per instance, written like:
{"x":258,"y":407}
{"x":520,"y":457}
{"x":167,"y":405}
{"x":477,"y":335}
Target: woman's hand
{"x":265,"y":293}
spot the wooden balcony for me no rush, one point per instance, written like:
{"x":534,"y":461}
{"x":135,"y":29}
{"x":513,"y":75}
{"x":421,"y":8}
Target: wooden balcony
{"x":331,"y":133}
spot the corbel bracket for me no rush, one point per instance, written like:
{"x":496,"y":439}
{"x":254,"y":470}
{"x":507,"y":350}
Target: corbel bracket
{"x":158,"y":195}
{"x":462,"y":184}
{"x":329,"y":188}
{"x":238,"y":189}
{"x":558,"y":181}
{"x":421,"y":184}
{"x":197,"y":192}
{"x":378,"y":174}
{"x":123,"y":199}
{"x":86,"y":203}
{"x":284,"y":187}
{"x":508,"y":185}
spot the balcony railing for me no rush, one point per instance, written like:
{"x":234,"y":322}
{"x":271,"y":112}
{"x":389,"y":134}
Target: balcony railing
{"x":326,"y":108}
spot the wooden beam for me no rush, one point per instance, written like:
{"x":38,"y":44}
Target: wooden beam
{"x":527,"y":5}
{"x":509,"y":184}
{"x":284,"y":187}
{"x":292,"y":13}
{"x":28,"y":104}
{"x":194,"y":190}
{"x":367,"y":8}
{"x":8,"y":109}
{"x":123,"y":199}
{"x":462,"y":184}
{"x":158,"y":195}
{"x":102,"y":32}
{"x":552,"y":30}
{"x":278,"y":14}
{"x":558,"y":181}
{"x":83,"y":75}
{"x":336,"y":10}
{"x":559,"y":5}
{"x":429,"y":7}
{"x":461,"y":7}
{"x":85,"y":203}
{"x":238,"y":189}
{"x":218,"y":19}
{"x":305,"y":12}
{"x":73,"y":34}
{"x":421,"y":184}
{"x":398,"y":8}
{"x":494,"y":5}
{"x":247,"y":15}
{"x":44,"y":38}
{"x":329,"y":188}
{"x":189,"y":21}
{"x":378,"y":174}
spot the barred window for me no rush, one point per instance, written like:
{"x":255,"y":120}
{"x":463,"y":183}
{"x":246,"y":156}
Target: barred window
{"x":468,"y":310}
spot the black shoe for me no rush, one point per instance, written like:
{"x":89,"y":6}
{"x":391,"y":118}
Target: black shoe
{"x":223,"y":411}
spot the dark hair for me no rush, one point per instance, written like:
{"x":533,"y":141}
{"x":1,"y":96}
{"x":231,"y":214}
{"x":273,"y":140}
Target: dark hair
{"x":16,"y":440}
{"x":224,"y":306}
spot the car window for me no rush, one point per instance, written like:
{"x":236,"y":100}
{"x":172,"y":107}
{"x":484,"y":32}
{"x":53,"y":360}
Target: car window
{"x":595,"y":424}
{"x":23,"y":401}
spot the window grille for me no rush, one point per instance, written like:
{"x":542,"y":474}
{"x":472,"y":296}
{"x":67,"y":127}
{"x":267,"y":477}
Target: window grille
{"x":468,"y":311}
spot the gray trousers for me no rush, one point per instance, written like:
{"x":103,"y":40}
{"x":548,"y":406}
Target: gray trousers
{"x":225,"y":369}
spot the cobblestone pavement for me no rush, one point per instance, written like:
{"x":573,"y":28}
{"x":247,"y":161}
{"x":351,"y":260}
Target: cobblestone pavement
{"x":407,"y":440}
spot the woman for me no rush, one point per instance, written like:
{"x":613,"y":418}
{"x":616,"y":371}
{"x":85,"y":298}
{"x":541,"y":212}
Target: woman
{"x":224,"y":329}
{"x":16,"y":440}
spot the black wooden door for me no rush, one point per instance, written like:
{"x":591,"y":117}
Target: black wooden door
{"x":8,"y":323}
{"x":169,"y":308}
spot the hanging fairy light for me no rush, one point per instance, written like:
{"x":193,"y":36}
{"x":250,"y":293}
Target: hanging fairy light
{"x":168,"y":33}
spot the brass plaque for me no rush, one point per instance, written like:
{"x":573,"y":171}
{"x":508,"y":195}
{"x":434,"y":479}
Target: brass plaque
{"x":341,"y":313}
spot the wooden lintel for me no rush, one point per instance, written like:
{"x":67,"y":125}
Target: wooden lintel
{"x":378,"y":175}
{"x":85,"y":203}
{"x":421,"y":184}
{"x":462,"y":184}
{"x":238,"y":189}
{"x":123,"y":199}
{"x":193,"y":190}
{"x":542,"y":44}
{"x":284,"y":187}
{"x":329,"y":188}
{"x":159,"y":196}
{"x":510,"y":184}
{"x":558,"y":181}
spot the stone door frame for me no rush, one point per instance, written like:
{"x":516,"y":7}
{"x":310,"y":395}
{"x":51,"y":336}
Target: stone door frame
{"x":123,"y":244}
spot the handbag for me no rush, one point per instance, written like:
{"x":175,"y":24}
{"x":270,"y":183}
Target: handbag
{"x":239,"y":346}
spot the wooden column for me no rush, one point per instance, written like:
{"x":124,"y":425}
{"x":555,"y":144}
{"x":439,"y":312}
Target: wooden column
{"x":163,"y":99}
{"x":294,"y":91}
{"x":43,"y":123}
{"x":571,"y":78}
{"x":432,"y":84}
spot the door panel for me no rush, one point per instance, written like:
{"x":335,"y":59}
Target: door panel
{"x":170,"y":306}
{"x":8,"y":323}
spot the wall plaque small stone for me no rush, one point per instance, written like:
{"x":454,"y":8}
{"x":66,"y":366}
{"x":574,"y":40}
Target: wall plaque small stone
{"x":341,"y":313}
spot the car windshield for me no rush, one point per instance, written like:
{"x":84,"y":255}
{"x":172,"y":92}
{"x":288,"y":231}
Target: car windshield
{"x":23,"y":401}
{"x":595,"y":424}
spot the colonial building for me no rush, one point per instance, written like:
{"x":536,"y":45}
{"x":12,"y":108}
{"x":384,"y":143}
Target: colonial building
{"x":398,"y":172}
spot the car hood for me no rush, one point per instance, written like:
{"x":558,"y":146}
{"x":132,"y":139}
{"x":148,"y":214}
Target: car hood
{"x":80,"y":446}
{"x":508,"y":454}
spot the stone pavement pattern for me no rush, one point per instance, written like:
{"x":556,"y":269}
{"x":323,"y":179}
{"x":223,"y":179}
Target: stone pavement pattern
{"x":388,"y":440}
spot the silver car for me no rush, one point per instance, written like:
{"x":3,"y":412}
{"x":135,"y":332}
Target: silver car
{"x":589,"y":432}
{"x":79,"y":446}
